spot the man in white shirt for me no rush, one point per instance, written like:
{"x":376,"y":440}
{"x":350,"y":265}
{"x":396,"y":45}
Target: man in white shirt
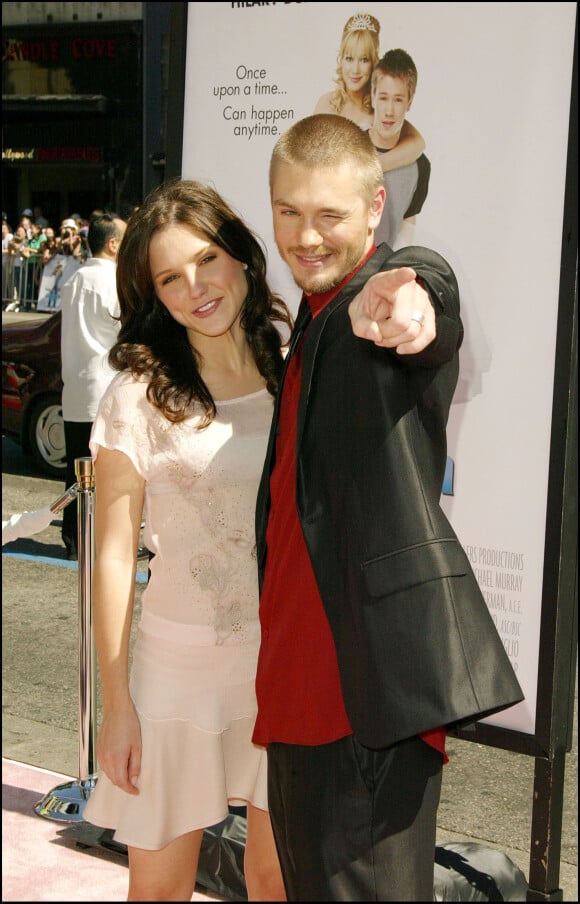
{"x":89,"y":306}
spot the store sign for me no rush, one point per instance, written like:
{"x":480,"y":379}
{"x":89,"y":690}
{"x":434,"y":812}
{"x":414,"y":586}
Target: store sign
{"x":18,"y":155}
{"x":61,"y":154}
{"x":58,"y":51}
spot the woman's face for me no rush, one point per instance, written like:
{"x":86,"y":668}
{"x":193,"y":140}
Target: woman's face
{"x":356,"y":66}
{"x":200,"y":284}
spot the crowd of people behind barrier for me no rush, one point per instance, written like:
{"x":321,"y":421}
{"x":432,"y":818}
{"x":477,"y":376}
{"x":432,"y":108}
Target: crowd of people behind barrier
{"x":30,"y":247}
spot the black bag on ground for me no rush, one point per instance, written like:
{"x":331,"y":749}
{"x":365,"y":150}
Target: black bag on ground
{"x":221,"y":858}
{"x":466,"y":871}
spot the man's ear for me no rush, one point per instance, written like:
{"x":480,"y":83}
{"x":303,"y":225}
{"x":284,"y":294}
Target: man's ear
{"x":377,"y":207}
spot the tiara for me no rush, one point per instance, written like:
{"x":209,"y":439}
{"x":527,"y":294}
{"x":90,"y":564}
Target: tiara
{"x":361,"y":21}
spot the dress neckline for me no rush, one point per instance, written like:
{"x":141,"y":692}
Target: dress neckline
{"x":244,"y":398}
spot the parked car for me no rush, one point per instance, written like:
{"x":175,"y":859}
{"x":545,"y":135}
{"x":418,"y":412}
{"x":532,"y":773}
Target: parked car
{"x":32,"y":388}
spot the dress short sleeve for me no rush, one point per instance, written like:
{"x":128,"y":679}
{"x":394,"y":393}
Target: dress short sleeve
{"x":127,"y":422}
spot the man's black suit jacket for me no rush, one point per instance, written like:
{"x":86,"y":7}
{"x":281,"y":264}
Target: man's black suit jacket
{"x":416,"y":645}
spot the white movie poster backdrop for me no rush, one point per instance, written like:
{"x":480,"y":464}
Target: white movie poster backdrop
{"x":492,"y":103}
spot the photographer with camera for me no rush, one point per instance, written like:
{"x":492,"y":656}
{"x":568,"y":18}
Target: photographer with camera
{"x":70,"y":240}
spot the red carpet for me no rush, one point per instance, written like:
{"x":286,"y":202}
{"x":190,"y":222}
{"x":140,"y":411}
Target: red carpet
{"x":39,"y":863}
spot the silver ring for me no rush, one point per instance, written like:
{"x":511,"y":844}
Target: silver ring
{"x":418,"y":317}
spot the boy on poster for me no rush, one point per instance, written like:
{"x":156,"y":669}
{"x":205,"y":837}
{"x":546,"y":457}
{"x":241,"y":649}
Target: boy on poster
{"x":394,"y":82}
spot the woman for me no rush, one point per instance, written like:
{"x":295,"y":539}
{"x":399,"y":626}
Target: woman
{"x":49,"y":247}
{"x":180,"y":439}
{"x":357,"y":57}
{"x":19,"y":253}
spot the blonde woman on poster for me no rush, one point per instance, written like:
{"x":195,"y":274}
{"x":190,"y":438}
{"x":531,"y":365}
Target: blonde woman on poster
{"x":357,"y":57}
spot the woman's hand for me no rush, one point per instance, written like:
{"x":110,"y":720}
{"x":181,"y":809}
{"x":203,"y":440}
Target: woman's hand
{"x":119,"y":748}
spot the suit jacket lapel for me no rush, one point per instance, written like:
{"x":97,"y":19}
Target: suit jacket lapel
{"x":262,"y":505}
{"x":315,"y":330}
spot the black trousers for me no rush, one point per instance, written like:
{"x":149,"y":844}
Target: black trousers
{"x":76,"y":437}
{"x":354,"y":824}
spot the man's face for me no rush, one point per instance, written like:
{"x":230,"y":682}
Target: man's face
{"x":391,"y":103}
{"x":322,"y":225}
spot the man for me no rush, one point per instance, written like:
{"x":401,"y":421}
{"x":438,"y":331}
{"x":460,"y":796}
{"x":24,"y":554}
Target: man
{"x":375,"y":635}
{"x":393,"y":86}
{"x":89,"y":307}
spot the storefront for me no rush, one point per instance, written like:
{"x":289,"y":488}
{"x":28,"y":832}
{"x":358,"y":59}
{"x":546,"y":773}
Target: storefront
{"x":73,"y":118}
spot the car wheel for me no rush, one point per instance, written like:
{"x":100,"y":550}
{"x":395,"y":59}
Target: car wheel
{"x":46,"y":435}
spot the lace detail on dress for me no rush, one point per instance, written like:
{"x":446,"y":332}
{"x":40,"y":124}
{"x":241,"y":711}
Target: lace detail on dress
{"x":200,"y":496}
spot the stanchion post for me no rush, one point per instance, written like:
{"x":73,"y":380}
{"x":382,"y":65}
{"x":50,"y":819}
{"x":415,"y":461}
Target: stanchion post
{"x":85,"y":475}
{"x":66,"y":802}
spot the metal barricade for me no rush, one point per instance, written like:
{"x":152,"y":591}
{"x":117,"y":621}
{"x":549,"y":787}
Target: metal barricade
{"x":20,"y":277}
{"x":66,"y":802}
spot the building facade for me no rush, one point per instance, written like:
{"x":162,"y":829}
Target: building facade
{"x":84,"y":88}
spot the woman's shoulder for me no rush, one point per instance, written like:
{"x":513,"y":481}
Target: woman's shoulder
{"x":125,"y":389}
{"x":324,"y":104}
{"x":124,"y":410}
{"x":128,"y":380}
